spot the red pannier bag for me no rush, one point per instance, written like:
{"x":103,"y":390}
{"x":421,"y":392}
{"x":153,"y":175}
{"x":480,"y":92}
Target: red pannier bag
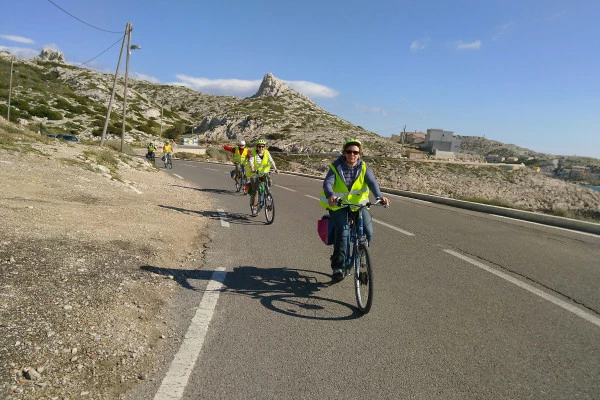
{"x":325,"y":230}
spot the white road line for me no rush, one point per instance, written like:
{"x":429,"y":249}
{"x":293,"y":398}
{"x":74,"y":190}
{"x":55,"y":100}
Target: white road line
{"x":393,"y":227}
{"x":547,"y":226}
{"x":212,"y":169}
{"x":135,"y":189}
{"x":174,"y":383}
{"x":283,"y":187}
{"x":180,"y":177}
{"x":312,"y":197}
{"x":561,"y":303}
{"x":222,"y":217}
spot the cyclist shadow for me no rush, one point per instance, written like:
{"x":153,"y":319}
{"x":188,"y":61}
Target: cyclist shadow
{"x":232,"y":218}
{"x":210,"y":190}
{"x":289,"y":291}
{"x":292,"y":292}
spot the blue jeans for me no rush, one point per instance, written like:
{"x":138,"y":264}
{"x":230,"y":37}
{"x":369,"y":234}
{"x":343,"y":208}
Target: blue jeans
{"x":340,"y":246}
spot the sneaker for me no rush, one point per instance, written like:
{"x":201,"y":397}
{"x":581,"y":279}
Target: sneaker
{"x":254,"y":211}
{"x":337,"y":275}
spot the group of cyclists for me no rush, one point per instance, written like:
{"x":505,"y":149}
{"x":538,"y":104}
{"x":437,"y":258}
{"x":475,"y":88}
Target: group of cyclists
{"x":348,"y":178}
{"x":256,"y":163}
{"x":167,"y":150}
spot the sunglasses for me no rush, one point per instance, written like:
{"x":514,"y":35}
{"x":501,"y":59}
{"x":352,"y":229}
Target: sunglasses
{"x":260,"y":147}
{"x":352,"y":152}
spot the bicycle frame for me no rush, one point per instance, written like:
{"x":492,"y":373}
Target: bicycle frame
{"x":356,"y":236}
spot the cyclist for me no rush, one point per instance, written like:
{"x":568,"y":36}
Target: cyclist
{"x":151,"y":151}
{"x":260,"y":161}
{"x":167,"y":150}
{"x":350,"y":179}
{"x":241,"y":156}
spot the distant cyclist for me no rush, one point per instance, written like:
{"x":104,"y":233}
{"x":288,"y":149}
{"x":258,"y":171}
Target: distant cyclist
{"x":260,"y":162}
{"x":241,"y":156}
{"x":350,"y":179}
{"x":151,"y":151}
{"x":167,"y":150}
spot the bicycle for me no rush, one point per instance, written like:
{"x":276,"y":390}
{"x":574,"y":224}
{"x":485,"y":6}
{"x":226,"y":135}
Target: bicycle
{"x":360,"y":258}
{"x":241,"y":177}
{"x":168,"y":161}
{"x":265,"y":198}
{"x":151,"y":157}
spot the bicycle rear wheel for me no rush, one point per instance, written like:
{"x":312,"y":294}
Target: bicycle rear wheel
{"x":363,"y":281}
{"x":169,"y":164}
{"x":239,"y":182}
{"x":269,"y":208}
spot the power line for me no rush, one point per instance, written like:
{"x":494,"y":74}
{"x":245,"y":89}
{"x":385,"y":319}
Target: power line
{"x":66,"y":12}
{"x":92,"y":59}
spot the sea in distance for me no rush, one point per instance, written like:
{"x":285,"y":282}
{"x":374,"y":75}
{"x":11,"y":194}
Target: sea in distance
{"x":596,"y":188}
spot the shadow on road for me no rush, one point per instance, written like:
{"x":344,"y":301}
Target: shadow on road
{"x":232,"y":218}
{"x":287,"y":291}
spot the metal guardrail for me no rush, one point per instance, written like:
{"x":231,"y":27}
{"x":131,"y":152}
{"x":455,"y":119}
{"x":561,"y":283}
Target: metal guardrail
{"x":561,"y":222}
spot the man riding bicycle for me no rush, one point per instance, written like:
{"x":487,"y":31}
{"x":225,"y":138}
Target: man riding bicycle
{"x":151,"y":151}
{"x":350,"y":179}
{"x":260,"y":162}
{"x":241,"y":156}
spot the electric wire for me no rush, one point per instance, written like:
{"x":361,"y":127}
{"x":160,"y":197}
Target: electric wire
{"x":66,"y":12}
{"x":110,"y":47}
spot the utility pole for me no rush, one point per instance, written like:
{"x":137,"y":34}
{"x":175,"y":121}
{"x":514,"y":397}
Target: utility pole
{"x":162,"y":106}
{"x":128,"y":30}
{"x":12,"y":60}
{"x":112,"y":96}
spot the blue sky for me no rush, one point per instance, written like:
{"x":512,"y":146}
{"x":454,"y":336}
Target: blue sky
{"x":525,"y":72}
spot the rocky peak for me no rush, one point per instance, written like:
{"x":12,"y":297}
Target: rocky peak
{"x":51,"y":55}
{"x":271,"y":86}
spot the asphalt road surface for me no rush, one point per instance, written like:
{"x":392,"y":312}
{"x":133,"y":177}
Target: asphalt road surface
{"x":467,"y":305}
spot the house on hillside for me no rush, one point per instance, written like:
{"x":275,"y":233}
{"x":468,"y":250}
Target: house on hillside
{"x":441,"y":140}
{"x":415,"y":138}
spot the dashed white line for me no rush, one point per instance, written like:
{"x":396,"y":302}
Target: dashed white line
{"x":180,"y":177}
{"x":212,"y":169}
{"x":222,"y":217}
{"x":286,"y":188}
{"x":561,"y":303}
{"x":174,"y":383}
{"x":313,"y":197}
{"x":393,"y":227}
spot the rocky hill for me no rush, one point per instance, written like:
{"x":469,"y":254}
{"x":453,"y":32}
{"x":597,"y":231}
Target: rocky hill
{"x":48,"y":94}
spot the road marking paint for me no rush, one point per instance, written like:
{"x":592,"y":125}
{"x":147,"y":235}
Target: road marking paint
{"x":175,"y":382}
{"x":180,"y":177}
{"x":561,"y":303}
{"x":212,"y":169}
{"x":548,"y":226}
{"x":283,"y":187}
{"x":393,"y":227}
{"x":222,"y":217}
{"x":135,"y":189}
{"x":312,"y":197}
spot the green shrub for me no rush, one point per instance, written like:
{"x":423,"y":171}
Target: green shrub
{"x":45,"y":112}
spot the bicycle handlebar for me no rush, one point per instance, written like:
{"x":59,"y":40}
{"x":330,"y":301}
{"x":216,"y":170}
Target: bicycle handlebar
{"x":344,"y":203}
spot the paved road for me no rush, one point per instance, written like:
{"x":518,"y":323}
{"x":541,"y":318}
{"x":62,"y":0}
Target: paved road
{"x":467,"y":305}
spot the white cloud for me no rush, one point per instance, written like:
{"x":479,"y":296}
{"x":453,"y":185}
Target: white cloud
{"x":476,"y":45}
{"x":19,"y":39}
{"x":313,"y":90}
{"x":502,"y":29}
{"x":246,"y":88}
{"x":222,"y":87}
{"x":21,"y":52}
{"x":417,"y":45}
{"x":144,"y":77}
{"x":371,"y":110}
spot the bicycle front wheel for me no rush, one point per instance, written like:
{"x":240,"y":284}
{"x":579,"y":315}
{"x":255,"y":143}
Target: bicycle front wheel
{"x":169,"y":163}
{"x":363,"y":279}
{"x":239,"y":183}
{"x":269,"y":208}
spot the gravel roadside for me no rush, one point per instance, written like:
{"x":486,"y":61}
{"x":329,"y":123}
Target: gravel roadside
{"x":81,"y":313}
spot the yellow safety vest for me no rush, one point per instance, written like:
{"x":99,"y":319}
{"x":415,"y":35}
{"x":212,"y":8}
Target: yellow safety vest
{"x":265,"y":165}
{"x":242,"y":157}
{"x":358,"y":194}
